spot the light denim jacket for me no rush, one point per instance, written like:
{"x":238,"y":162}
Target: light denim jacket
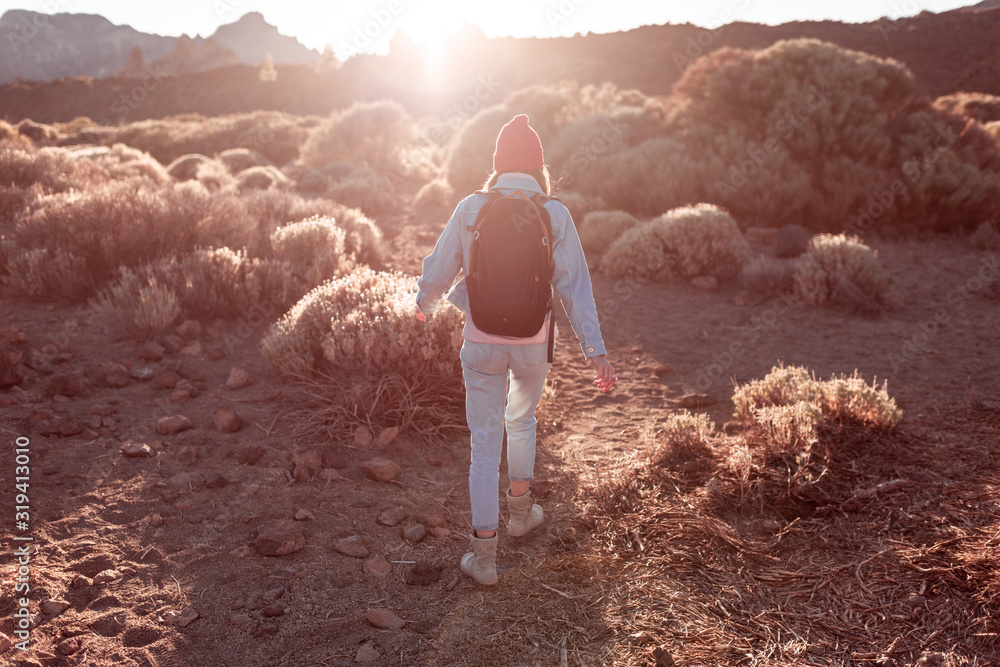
{"x":571,"y":278}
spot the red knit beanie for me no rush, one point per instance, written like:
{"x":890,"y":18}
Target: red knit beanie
{"x":518,"y":147}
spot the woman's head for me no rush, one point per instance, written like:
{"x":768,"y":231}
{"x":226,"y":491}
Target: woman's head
{"x":519,"y":149}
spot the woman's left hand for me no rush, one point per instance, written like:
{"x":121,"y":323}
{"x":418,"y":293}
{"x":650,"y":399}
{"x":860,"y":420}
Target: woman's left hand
{"x":605,"y":378}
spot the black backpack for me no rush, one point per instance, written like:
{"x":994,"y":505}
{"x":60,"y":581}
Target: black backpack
{"x":511,"y":266}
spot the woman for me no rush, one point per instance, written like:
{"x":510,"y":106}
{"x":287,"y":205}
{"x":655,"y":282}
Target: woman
{"x":504,"y":376}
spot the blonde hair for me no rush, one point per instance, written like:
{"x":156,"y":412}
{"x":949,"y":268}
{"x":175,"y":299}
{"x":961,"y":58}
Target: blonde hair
{"x":541,"y":176}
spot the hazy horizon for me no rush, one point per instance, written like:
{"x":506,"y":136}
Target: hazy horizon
{"x":368,"y":26}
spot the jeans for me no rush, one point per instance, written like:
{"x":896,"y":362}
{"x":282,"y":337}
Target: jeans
{"x":490,"y":406}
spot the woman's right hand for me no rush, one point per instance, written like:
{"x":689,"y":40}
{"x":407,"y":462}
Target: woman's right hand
{"x":605,"y":378}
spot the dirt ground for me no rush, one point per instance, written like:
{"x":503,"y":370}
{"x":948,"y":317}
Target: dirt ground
{"x":178,"y":528}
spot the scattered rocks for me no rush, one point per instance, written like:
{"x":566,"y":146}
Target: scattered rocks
{"x":192,"y":350}
{"x":55,"y":607}
{"x":69,"y":384}
{"x":379,"y":568}
{"x":105,"y":577}
{"x":109,"y":374}
{"x":155,"y":520}
{"x":11,"y":369}
{"x":189,"y":329}
{"x":38,"y":416}
{"x":171,"y":343}
{"x":280,"y":537}
{"x":69,"y":646}
{"x":386,"y":436}
{"x":434,"y":520}
{"x":152,"y":351}
{"x":215,"y":481}
{"x":363,"y":437}
{"x":381,"y":470}
{"x":421,"y":574}
{"x":697,"y":401}
{"x":415,"y":533}
{"x":80,"y":581}
{"x":266,"y":629}
{"x":226,"y":420}
{"x":136,"y":450}
{"x":352,"y":546}
{"x":437,"y":531}
{"x":186,"y":456}
{"x":173,"y":424}
{"x":181,"y":619}
{"x":189,"y":371}
{"x":706,"y":283}
{"x":238,"y":379}
{"x":240,"y":619}
{"x":385,"y":619}
{"x":166,"y":380}
{"x":62,"y":426}
{"x":392,"y":516}
{"x":142,"y":373}
{"x":241,"y":552}
{"x":251,"y":454}
{"x":304,"y":515}
{"x":367,"y":653}
{"x":215,"y":351}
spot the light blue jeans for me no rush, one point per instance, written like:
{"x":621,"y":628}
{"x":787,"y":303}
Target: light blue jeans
{"x":503,"y":384}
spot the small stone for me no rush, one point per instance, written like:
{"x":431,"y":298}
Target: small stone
{"x":280,"y":537}
{"x":173,"y":424}
{"x":80,"y":581}
{"x":110,"y":374}
{"x":152,"y":351}
{"x":55,"y":607}
{"x":251,"y":454}
{"x":302,"y":474}
{"x":180,"y":396}
{"x":663,"y":369}
{"x":385,"y":619}
{"x":95,"y":422}
{"x":191,"y":371}
{"x":392,"y":516}
{"x":241,"y":552}
{"x":38,"y":416}
{"x":415,"y":533}
{"x":421,"y":574}
{"x":166,"y":380}
{"x":106,"y":576}
{"x":266,"y":629}
{"x":181,"y":619}
{"x":192,"y":350}
{"x":381,"y":470}
{"x":433,"y":519}
{"x":362,"y":437}
{"x":662,"y":658}
{"x":367,"y":653}
{"x":136,"y":450}
{"x":196,"y":518}
{"x":705,"y":283}
{"x":215,"y":481}
{"x":215,"y":351}
{"x":352,"y":546}
{"x":186,"y":456}
{"x":238,"y":379}
{"x":240,"y":619}
{"x":72,"y":384}
{"x":386,"y":436}
{"x":437,"y":531}
{"x":59,"y":398}
{"x":189,"y":329}
{"x":224,"y":518}
{"x":69,"y":646}
{"x":696,"y":401}
{"x":226,"y":420}
{"x":155,"y":520}
{"x":304,"y":515}
{"x":331,"y":475}
{"x":379,"y":568}
{"x":930,"y":659}
{"x":308,"y":457}
{"x":273,"y":610}
{"x":439,"y":460}
{"x":142,"y":374}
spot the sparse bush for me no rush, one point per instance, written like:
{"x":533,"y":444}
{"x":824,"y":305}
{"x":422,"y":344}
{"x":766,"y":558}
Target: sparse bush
{"x":52,"y":169}
{"x":765,"y":276}
{"x":832,"y":260}
{"x":983,"y":107}
{"x":683,"y":438}
{"x":470,"y":154}
{"x":683,"y":243}
{"x":579,"y":204}
{"x":44,"y":274}
{"x":435,"y":194}
{"x":367,"y":190}
{"x":600,"y":229}
{"x":7,"y":131}
{"x":186,"y":167}
{"x":369,"y":134}
{"x":315,"y":246}
{"x":261,"y":178}
{"x":993,"y":129}
{"x":986,"y":237}
{"x":121,"y":162}
{"x":137,"y":307}
{"x":37,"y":132}
{"x":241,"y":159}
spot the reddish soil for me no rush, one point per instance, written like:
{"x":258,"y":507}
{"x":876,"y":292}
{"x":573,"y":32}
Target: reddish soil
{"x":179,"y":528}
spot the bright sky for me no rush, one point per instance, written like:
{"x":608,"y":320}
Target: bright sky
{"x":367,"y":25}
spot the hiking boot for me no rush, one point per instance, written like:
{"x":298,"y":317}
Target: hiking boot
{"x":481,"y":563}
{"x":524,"y":515}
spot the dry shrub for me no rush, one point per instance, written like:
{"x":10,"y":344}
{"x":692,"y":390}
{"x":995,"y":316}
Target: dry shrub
{"x":993,"y":129}
{"x":274,"y":134}
{"x":136,"y":306}
{"x":261,"y":178}
{"x":186,"y":167}
{"x":52,"y":169}
{"x":365,"y":189}
{"x":370,"y":134}
{"x":834,"y":264}
{"x":435,"y":194}
{"x":358,"y":336}
{"x":315,"y":246}
{"x":683,"y":439}
{"x":982,"y":106}
{"x":470,"y":154}
{"x":47,"y":274}
{"x":600,"y":229}
{"x":241,"y":159}
{"x":579,"y":204}
{"x":986,"y":237}
{"x":7,"y":131}
{"x":122,"y":162}
{"x":37,"y":132}
{"x":766,"y":276}
{"x":683,"y":243}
